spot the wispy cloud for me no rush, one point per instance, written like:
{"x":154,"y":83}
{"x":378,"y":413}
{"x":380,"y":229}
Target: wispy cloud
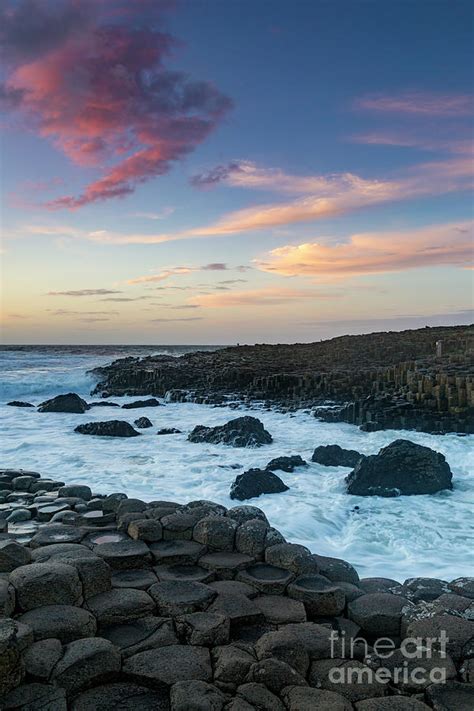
{"x":268,"y":296}
{"x":161,"y":215}
{"x":66,"y":312}
{"x":376,"y":253}
{"x":165,"y":274}
{"x":215,"y":267}
{"x":420,"y":103}
{"x":173,"y":320}
{"x":91,"y":78}
{"x":125,"y":299}
{"x":84,"y":292}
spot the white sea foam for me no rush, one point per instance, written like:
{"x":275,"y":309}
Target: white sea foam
{"x":399,"y":538}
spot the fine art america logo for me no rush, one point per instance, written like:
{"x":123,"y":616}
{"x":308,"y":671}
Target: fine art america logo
{"x":412,"y":664}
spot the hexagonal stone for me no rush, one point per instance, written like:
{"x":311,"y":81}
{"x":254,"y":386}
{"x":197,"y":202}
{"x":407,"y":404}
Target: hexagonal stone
{"x":266,"y":578}
{"x":459,"y":633}
{"x":195,"y":696}
{"x":280,"y":610}
{"x":148,"y":530}
{"x":11,"y":668}
{"x":169,"y":552}
{"x":217,"y":532}
{"x":225,"y":564}
{"x":238,"y":608}
{"x":65,"y":622}
{"x":122,"y":695}
{"x":56,"y":533}
{"x":29,"y":697}
{"x":124,"y":555}
{"x":120,"y":605}
{"x":60,"y":552}
{"x":295,"y":644}
{"x":136,"y":578}
{"x":41,"y":584}
{"x":320,"y":596}
{"x":97,"y":539}
{"x":141,"y":635}
{"x":12,"y":555}
{"x":41,"y":658}
{"x":275,"y":674}
{"x":423,"y":589}
{"x":290,"y":556}
{"x":46,"y":513}
{"x":250,"y":537}
{"x":231,"y":665}
{"x":95,"y":519}
{"x":452,"y":696}
{"x":414,"y":682}
{"x":377,"y":585}
{"x":177,"y":526}
{"x":378,"y":614}
{"x":244,"y":513}
{"x":396,"y":703}
{"x":205,"y":629}
{"x":463,"y":586}
{"x":85,"y":662}
{"x":7,"y":598}
{"x":131,"y":506}
{"x":336,"y":569}
{"x":184,"y":572}
{"x":259,"y":697}
{"x":94,"y":573}
{"x":298,"y":698}
{"x":168,"y":665}
{"x":350,"y":678}
{"x":180,"y":597}
{"x":234,"y":587}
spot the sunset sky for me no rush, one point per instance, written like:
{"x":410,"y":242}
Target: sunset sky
{"x":213,"y":171}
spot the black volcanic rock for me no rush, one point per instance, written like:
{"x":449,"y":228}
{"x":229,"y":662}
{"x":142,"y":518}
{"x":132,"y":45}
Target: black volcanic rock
{"x":150,"y":402}
{"x":103,"y":403}
{"x":332,"y":455}
{"x":286,"y":464}
{"x":143,"y":422}
{"x":255,"y":482}
{"x":168,"y":431}
{"x":242,"y":432}
{"x":110,"y":428}
{"x":402,"y":467}
{"x":71,"y":402}
{"x":19,"y":403}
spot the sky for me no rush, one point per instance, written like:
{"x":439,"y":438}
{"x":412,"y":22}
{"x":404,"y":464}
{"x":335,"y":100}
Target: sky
{"x":250,"y":171}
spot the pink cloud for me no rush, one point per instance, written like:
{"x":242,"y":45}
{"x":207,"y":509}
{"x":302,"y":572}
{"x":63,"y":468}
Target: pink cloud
{"x":268,"y":296}
{"x":418,"y":102}
{"x":376,"y":253}
{"x":100,"y":91}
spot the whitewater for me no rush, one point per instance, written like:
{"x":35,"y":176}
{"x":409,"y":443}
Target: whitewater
{"x":399,"y":537}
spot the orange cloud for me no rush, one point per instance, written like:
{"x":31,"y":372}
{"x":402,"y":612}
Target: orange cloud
{"x":165,"y":274}
{"x":376,"y":253}
{"x":269,"y":296}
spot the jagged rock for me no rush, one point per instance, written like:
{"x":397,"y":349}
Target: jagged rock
{"x":401,"y":468}
{"x":181,"y":597}
{"x":255,"y":482}
{"x":145,"y":529}
{"x":286,"y":464}
{"x":423,"y":589}
{"x":205,"y":629}
{"x":196,"y":696}
{"x":39,"y":584}
{"x":12,"y":555}
{"x":64,"y":622}
{"x":86,"y":662}
{"x":11,"y":668}
{"x":121,"y":695}
{"x":150,"y":402}
{"x":19,"y":403}
{"x":231,"y":665}
{"x":143,"y":423}
{"x":168,"y":431}
{"x":238,"y":608}
{"x":64,"y":403}
{"x":110,"y":428}
{"x":378,"y":614}
{"x":332,"y":455}
{"x":169,"y":665}
{"x":141,"y":635}
{"x":463,"y":586}
{"x":120,"y":605}
{"x":458,"y":631}
{"x":103,"y":403}
{"x":242,"y":432}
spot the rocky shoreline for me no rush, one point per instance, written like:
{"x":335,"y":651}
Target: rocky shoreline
{"x":108,"y":602}
{"x":419,"y":379}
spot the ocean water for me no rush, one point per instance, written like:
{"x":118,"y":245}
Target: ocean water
{"x":399,"y":538}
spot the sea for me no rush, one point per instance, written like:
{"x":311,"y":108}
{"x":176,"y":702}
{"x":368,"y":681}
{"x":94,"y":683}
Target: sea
{"x":399,"y":538}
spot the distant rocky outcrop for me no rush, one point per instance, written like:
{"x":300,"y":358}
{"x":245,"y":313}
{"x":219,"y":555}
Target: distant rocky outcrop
{"x":19,"y":403}
{"x":103,"y":403}
{"x":143,"y":423}
{"x":110,"y":428}
{"x":71,"y":402}
{"x":150,"y":402}
{"x":255,"y":482}
{"x":401,"y":468}
{"x":332,"y":455}
{"x":242,"y":432}
{"x":168,"y":431}
{"x":286,"y":464}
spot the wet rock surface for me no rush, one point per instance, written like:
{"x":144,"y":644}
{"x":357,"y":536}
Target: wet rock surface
{"x":231,"y":617}
{"x":109,"y":428}
{"x":64,"y":403}
{"x":242,"y":432}
{"x":255,"y":482}
{"x":332,"y":455}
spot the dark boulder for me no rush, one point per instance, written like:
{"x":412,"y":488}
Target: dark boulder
{"x":242,"y":432}
{"x":64,"y":403}
{"x":168,"y":430}
{"x":286,"y":464}
{"x":103,"y":403}
{"x":151,"y":402}
{"x":19,"y":403}
{"x":332,"y":455}
{"x":255,"y":482}
{"x":110,"y":428}
{"x":143,"y":422}
{"x":401,"y":468}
